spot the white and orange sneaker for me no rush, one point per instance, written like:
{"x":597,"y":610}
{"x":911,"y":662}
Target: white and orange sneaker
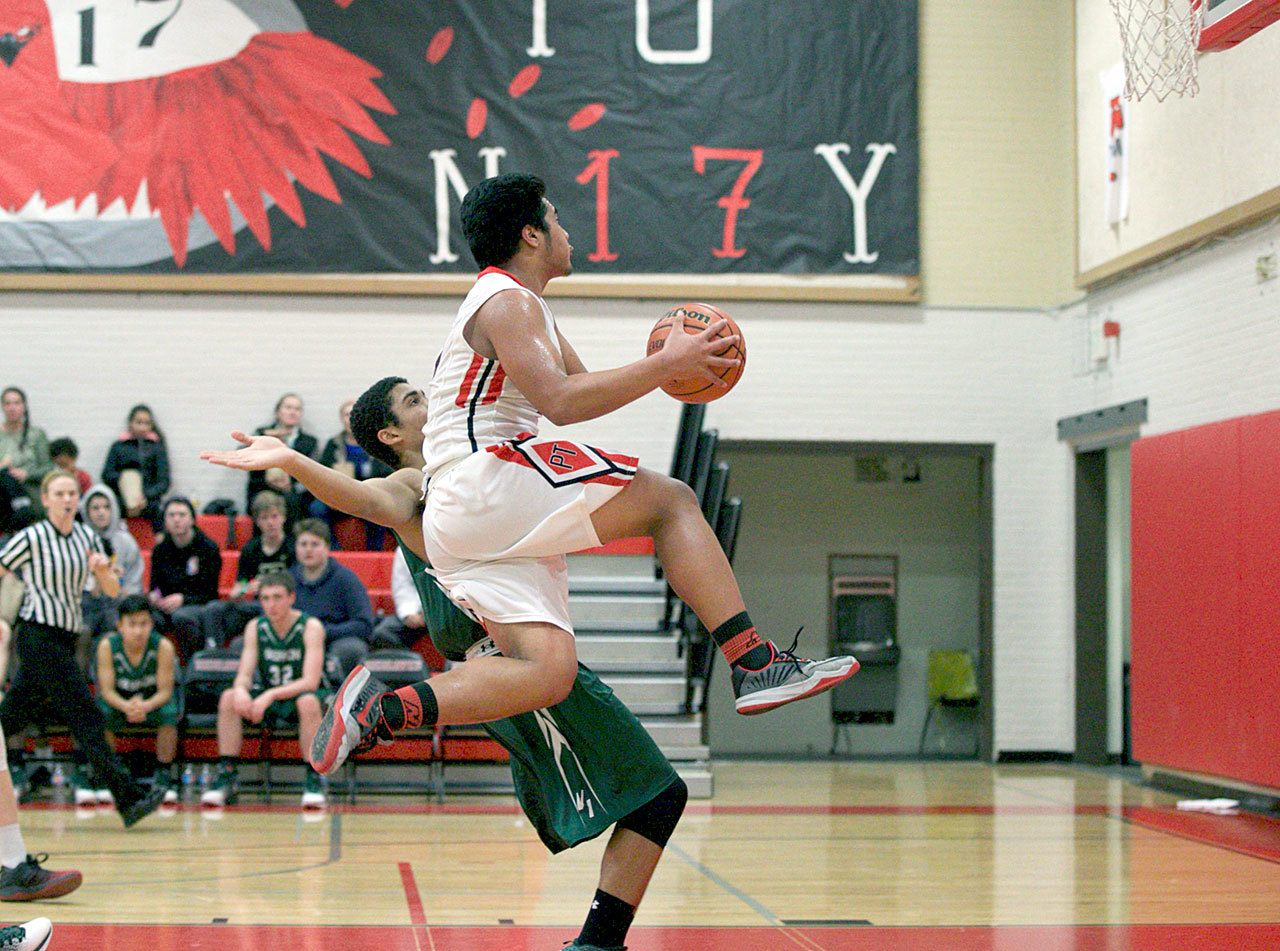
{"x":787,"y":678}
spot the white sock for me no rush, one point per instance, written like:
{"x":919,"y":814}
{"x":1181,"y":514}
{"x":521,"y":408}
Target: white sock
{"x":13,"y":851}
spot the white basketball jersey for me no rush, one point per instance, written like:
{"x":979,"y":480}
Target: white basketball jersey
{"x":470,"y":402}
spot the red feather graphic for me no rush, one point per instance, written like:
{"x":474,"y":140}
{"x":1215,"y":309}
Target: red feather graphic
{"x":45,"y":150}
{"x":194,"y":139}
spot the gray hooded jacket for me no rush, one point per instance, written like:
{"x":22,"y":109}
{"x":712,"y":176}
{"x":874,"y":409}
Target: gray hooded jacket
{"x":128,"y":557}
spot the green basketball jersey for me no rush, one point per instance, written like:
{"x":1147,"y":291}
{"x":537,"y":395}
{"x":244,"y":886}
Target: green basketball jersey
{"x":134,"y":679}
{"x":452,"y":630}
{"x":280,"y":657}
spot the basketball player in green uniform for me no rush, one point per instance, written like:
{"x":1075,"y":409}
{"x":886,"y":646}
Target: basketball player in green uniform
{"x":283,"y":657}
{"x":136,"y":686}
{"x":579,"y":766}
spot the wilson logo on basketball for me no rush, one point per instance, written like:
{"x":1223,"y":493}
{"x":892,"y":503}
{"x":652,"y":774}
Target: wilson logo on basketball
{"x":696,"y":319}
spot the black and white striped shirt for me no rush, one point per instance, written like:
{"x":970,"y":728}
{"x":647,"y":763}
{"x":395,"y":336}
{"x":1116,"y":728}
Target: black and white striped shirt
{"x":54,"y":568}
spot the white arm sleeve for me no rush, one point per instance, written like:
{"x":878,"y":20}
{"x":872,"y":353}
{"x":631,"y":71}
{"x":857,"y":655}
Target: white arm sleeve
{"x":402,"y":589}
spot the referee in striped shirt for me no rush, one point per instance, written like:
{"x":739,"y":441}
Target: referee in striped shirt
{"x":54,"y":559}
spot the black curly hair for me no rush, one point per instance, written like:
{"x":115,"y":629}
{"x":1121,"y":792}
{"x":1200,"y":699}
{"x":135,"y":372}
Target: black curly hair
{"x":372,"y":412}
{"x":495,"y":212}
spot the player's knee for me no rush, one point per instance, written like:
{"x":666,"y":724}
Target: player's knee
{"x":675,"y":496}
{"x":225,"y":700}
{"x":309,"y":706}
{"x":561,"y":673}
{"x":657,"y":818}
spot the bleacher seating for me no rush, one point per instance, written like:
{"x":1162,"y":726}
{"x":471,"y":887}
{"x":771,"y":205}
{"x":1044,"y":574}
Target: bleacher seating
{"x":349,"y":535}
{"x":372,"y":567}
{"x":227,"y":534}
{"x":142,"y":532}
{"x":218,"y":528}
{"x":211,"y":671}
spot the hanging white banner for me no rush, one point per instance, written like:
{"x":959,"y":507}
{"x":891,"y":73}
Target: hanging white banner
{"x":1117,"y":191}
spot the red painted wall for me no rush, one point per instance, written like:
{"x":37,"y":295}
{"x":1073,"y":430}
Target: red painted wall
{"x":1206,"y":599}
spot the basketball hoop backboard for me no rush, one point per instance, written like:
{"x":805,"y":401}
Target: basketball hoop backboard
{"x":1228,"y":22}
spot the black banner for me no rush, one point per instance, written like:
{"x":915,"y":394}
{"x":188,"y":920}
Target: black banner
{"x":333,"y":136}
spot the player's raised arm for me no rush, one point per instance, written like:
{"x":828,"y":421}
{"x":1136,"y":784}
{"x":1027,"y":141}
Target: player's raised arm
{"x":390,"y":502}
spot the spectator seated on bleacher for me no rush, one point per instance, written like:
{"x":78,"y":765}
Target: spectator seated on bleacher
{"x":137,"y":466}
{"x":101,"y":511}
{"x":287,"y":427}
{"x":137,"y":676}
{"x":6,"y":651}
{"x":284,"y":653}
{"x":408,"y":623}
{"x":184,"y":575}
{"x":343,"y":453}
{"x":335,"y":595}
{"x":65,"y":453}
{"x":270,"y":551}
{"x":16,"y":508}
{"x":24,"y":449}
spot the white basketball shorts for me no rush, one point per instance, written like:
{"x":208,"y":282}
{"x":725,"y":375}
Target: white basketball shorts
{"x":497,"y":525}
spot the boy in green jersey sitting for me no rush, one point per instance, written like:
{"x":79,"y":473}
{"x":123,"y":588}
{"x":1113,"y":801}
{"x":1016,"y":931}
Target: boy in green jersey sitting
{"x":283,"y":661}
{"x":136,"y":674}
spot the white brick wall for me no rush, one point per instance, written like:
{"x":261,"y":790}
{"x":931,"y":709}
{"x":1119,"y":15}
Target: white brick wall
{"x":1199,"y":337}
{"x":839,"y":372}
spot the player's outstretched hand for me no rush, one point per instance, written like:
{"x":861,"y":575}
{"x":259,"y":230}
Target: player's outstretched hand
{"x":256,"y":453}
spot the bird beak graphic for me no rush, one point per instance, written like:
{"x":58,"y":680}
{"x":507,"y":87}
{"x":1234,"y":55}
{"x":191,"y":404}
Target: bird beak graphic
{"x":9,"y":48}
{"x":11,"y":44}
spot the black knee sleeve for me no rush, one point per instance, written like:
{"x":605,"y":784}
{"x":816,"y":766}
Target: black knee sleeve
{"x":657,"y":818}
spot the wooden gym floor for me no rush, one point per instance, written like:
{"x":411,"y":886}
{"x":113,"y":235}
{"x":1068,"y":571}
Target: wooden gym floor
{"x":794,"y":856}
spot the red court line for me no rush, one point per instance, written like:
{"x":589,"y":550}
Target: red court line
{"x":1202,"y":937}
{"x":933,"y":810}
{"x":1247,"y":833}
{"x":699,"y":808}
{"x":411,"y":895}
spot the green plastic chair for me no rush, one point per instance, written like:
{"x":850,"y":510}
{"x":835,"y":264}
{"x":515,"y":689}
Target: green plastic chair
{"x":952,"y":683}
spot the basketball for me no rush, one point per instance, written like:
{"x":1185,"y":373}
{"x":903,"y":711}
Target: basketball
{"x":697,"y":318}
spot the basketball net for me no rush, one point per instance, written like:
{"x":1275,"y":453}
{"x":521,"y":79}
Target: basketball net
{"x":1160,"y":40}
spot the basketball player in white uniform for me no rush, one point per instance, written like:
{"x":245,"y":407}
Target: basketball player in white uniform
{"x":503,"y":508}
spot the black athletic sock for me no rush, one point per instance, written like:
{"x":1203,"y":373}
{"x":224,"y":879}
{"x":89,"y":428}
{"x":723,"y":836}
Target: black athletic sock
{"x":410,"y":707}
{"x":607,"y":922}
{"x":741,"y":645}
{"x":227,"y":764}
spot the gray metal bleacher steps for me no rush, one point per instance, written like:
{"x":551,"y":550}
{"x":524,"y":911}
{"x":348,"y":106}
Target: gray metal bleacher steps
{"x":623,"y":652}
{"x":648,"y":694}
{"x":621,"y":566}
{"x":617,"y":611}
{"x":618,"y":608}
{"x":627,"y":585}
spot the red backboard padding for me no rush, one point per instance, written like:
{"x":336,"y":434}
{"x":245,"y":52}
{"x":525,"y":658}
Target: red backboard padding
{"x":1205,"y":613}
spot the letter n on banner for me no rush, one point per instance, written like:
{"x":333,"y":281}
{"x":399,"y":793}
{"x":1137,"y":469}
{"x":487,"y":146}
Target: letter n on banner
{"x":449,"y":177}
